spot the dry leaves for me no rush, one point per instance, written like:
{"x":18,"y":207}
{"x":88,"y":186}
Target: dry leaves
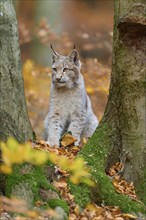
{"x":116,"y":169}
{"x":92,"y":211}
{"x":14,"y":205}
{"x":69,"y":150}
{"x":121,"y":186}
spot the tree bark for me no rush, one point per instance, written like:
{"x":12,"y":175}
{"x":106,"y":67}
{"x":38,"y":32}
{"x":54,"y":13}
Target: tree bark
{"x":27,"y":182}
{"x":121,"y":135}
{"x":14,"y":119}
{"x":128,"y":88}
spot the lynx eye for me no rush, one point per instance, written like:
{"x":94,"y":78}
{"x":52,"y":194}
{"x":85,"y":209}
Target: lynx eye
{"x":54,"y":69}
{"x":65,"y":69}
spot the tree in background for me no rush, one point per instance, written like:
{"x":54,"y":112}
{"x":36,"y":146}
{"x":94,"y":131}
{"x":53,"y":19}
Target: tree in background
{"x":13,"y":113}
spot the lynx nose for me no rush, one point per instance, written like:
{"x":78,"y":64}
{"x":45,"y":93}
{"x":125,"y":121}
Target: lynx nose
{"x":58,"y":79}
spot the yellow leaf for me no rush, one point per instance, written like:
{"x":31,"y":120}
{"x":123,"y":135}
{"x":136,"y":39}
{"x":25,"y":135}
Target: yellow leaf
{"x":78,"y":164}
{"x":12,"y":144}
{"x":40,"y":157}
{"x":52,"y":157}
{"x":67,"y":140}
{"x":5,"y":169}
{"x":32,"y":214}
{"x":6,"y":156}
{"x":84,"y":140}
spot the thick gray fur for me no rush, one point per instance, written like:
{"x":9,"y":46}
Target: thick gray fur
{"x":70,"y":107}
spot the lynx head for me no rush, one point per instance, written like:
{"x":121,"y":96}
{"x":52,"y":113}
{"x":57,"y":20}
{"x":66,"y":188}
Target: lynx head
{"x":65,"y":69}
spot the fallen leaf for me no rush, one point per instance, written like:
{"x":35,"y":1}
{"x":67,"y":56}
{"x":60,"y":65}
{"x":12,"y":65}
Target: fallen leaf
{"x":67,"y":140}
{"x":60,"y":183}
{"x":129,"y":216}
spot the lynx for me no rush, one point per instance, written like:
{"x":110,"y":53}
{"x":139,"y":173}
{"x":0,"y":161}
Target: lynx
{"x":70,"y":107}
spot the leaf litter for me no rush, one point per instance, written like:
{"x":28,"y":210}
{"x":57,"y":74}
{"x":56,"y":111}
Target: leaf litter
{"x":92,"y":211}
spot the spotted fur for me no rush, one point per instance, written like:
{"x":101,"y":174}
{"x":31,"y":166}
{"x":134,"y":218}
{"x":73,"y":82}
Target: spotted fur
{"x":70,"y":107}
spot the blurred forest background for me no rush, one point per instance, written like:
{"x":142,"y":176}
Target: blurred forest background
{"x":86,"y":23}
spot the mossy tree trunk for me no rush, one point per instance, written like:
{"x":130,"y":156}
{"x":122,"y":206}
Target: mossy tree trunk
{"x":14,"y":119}
{"x":127,"y":101}
{"x":121,"y":135}
{"x":27,"y":182}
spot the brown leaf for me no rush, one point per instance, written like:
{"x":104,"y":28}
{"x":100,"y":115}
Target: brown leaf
{"x":67,"y":140}
{"x":118,"y":218}
{"x":129,"y":216}
{"x":72,"y":217}
{"x":76,"y":210}
{"x":60,"y":184}
{"x":116,"y":168}
{"x":38,"y":203}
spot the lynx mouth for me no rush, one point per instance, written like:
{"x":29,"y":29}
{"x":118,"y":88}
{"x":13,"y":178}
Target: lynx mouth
{"x":60,"y":84}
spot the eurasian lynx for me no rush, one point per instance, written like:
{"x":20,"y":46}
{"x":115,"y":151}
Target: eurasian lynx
{"x":70,"y":107}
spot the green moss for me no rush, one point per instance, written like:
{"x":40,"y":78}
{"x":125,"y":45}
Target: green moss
{"x":96,"y":150}
{"x":110,"y":197}
{"x":53,"y":203}
{"x":141,"y":188}
{"x":32,"y":175}
{"x":82,"y":193}
{"x":2,"y":182}
{"x":95,"y":154}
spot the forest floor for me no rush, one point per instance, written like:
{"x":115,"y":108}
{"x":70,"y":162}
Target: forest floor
{"x":59,"y":180}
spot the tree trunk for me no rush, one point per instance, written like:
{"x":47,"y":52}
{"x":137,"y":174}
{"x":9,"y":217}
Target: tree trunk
{"x":128,"y":88}
{"x":14,"y":119}
{"x":121,"y":135}
{"x":27,"y":182}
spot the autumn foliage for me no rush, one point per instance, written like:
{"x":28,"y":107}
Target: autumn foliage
{"x":68,"y":165}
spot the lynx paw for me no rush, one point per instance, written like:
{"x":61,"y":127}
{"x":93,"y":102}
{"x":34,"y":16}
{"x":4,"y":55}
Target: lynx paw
{"x":52,"y":144}
{"x":76,"y":143}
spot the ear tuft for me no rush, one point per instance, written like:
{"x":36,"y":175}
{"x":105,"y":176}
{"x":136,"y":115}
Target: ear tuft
{"x":74,"y":46}
{"x":51,"y":47}
{"x":55,"y":54}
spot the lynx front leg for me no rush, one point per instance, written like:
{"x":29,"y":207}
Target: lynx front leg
{"x":76,"y":126}
{"x":53,"y":130}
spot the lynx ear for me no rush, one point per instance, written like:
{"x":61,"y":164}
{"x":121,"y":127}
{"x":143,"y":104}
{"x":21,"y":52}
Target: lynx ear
{"x":74,"y":56}
{"x":54,"y":53}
